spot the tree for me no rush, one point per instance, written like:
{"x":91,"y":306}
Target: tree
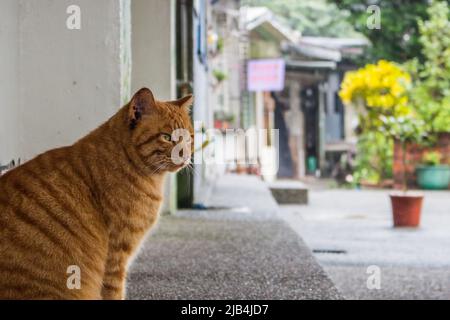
{"x":405,"y":130}
{"x":310,"y":17}
{"x":398,"y":38}
{"x":430,"y":95}
{"x":379,"y":92}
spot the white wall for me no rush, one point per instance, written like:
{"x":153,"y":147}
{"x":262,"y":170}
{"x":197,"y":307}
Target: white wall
{"x":205,"y":174}
{"x":153,"y":47}
{"x":153,"y":56}
{"x":9,"y":45}
{"x":125,"y":51}
{"x":69,"y":80}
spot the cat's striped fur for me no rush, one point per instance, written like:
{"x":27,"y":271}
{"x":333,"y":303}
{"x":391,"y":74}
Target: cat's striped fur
{"x":88,"y":205}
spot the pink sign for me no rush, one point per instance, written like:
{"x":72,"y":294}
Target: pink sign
{"x":265,"y":75}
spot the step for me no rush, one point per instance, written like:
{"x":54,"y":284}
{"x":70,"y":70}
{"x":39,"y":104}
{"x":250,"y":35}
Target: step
{"x":289,"y":192}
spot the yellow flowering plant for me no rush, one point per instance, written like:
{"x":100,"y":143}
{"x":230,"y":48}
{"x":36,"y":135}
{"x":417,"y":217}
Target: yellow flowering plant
{"x":377,"y":91}
{"x":381,"y":89}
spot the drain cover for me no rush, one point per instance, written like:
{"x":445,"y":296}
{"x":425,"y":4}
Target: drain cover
{"x":330,"y":251}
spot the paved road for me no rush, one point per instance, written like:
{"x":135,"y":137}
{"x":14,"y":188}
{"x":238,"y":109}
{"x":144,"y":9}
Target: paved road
{"x":240,"y":250}
{"x":414,"y":263}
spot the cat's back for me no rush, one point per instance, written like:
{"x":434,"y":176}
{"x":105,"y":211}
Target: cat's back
{"x":48,"y":221}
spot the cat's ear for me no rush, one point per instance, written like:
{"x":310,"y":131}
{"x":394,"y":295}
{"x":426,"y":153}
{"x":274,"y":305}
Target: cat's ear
{"x":185,"y":102}
{"x":143,"y":102}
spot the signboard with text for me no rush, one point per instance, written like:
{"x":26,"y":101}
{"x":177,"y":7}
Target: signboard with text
{"x":265,"y":75}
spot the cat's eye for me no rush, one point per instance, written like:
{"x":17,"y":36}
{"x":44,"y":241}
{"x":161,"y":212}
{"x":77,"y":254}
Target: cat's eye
{"x":166,"y":137}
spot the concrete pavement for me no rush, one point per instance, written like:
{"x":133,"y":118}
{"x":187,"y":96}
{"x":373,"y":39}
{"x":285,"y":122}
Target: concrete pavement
{"x":414,"y":263}
{"x":240,"y":249}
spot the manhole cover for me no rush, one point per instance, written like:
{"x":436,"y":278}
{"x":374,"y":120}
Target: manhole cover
{"x":222,"y":208}
{"x":329,"y":251}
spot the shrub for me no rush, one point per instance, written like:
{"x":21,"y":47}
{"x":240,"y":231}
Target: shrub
{"x":379,"y":92}
{"x":430,"y":94}
{"x":432,"y":158}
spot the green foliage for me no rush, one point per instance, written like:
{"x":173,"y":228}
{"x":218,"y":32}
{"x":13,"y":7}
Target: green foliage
{"x":374,"y":157}
{"x":224,"y":116}
{"x":429,"y":99}
{"x":432,"y":158}
{"x":219,"y":75}
{"x":404,"y":128}
{"x":220,"y":44}
{"x":375,"y":147}
{"x":310,"y":17}
{"x":431,"y":87}
{"x":398,"y":38}
{"x":380,"y":94}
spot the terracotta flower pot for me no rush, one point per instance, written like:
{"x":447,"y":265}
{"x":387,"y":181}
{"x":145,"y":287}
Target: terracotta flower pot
{"x":406,"y":209}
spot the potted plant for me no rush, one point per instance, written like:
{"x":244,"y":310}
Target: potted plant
{"x":375,"y":91}
{"x":406,"y":205}
{"x":223,"y":120}
{"x":219,"y":75}
{"x":432,"y":174}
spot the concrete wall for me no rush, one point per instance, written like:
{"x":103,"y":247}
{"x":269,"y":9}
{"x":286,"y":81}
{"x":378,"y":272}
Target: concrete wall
{"x":69,"y":79}
{"x":153,"y":60}
{"x":153,"y":47}
{"x":202,"y":111}
{"x":9,"y":48}
{"x":125,"y":50}
{"x":56,"y":84}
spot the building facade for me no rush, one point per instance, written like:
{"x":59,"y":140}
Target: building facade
{"x":67,"y":66}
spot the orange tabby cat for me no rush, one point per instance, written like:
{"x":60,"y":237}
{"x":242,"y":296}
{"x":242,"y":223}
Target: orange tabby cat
{"x":83,"y":210}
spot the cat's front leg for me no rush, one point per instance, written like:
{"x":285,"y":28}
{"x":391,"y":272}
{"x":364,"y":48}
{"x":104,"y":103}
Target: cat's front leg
{"x":114,"y":277}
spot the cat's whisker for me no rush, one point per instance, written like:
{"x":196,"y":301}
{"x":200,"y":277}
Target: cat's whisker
{"x":194,"y":170}
{"x":159,"y":165}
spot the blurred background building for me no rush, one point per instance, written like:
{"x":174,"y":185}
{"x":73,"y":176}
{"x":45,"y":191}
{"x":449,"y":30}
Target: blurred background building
{"x":57,"y":83}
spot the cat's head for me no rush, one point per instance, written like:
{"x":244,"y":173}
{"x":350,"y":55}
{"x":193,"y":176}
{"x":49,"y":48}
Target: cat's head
{"x":161,"y":132}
